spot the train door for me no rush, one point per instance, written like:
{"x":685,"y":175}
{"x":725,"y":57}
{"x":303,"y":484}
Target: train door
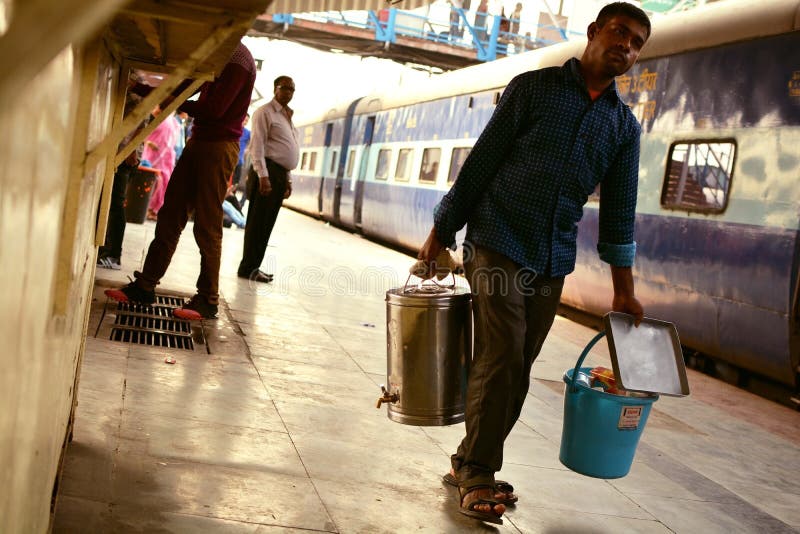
{"x":343,"y":195}
{"x":325,"y":164}
{"x":362,"y":171}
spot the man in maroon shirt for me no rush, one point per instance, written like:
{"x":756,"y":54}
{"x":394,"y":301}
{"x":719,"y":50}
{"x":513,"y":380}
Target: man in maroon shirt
{"x":198,"y":183}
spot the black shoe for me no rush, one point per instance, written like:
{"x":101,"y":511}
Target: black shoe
{"x":108,"y":262}
{"x":258,"y":276}
{"x":197,"y":308}
{"x":132,"y":293}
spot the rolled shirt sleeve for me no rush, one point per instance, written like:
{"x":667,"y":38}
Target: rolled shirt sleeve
{"x":618,"y":205}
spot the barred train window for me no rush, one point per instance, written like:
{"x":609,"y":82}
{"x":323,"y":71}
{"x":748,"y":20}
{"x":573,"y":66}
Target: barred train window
{"x":403,"y":169}
{"x":313,"y":163}
{"x":698,"y":175}
{"x":334,"y":161}
{"x":304,"y":160}
{"x":350,"y":161}
{"x":457,"y":160}
{"x":382,"y":168}
{"x":430,"y":165}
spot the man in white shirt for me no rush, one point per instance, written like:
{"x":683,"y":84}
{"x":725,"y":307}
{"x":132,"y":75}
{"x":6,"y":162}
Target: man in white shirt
{"x":274,"y":152}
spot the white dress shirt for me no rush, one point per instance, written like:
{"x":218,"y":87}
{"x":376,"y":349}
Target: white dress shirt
{"x":273,"y":136}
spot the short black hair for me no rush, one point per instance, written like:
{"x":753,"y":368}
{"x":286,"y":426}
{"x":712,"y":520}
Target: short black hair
{"x":623,"y":8}
{"x":279,"y":79}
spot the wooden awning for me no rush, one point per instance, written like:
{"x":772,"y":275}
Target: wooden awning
{"x":163,"y":32}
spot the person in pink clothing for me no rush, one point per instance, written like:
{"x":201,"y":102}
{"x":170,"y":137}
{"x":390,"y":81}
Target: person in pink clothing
{"x":159,"y":150}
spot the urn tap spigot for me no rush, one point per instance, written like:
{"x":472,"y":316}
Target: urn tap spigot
{"x":387,"y":397}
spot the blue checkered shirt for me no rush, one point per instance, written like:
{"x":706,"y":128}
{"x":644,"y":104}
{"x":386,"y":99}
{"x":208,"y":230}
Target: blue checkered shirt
{"x":522,"y":189}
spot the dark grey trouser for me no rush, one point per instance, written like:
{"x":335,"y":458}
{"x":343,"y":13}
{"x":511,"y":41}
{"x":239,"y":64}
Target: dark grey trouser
{"x":261,"y":216}
{"x":115,"y":231}
{"x":513,"y":309}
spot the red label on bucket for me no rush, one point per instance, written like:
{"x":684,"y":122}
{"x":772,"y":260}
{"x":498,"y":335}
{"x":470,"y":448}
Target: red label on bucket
{"x":629,"y":417}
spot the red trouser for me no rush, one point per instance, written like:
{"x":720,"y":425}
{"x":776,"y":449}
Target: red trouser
{"x":198,"y":183}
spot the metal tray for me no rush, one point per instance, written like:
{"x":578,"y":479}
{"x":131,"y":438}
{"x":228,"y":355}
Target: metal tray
{"x":647,"y":358}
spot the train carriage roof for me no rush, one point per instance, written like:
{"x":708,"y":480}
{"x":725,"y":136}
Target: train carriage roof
{"x":712,"y":25}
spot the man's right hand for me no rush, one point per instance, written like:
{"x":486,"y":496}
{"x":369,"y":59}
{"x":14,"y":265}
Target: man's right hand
{"x":264,"y":187}
{"x":430,"y":249}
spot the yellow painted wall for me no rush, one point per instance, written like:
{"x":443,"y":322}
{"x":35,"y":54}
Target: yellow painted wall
{"x":48,"y":208}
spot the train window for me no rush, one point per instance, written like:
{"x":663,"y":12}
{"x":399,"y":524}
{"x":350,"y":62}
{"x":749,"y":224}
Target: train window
{"x":431,"y":157}
{"x":303,"y":161}
{"x":350,"y":162}
{"x":382,"y":169}
{"x":403,"y":170}
{"x":698,"y":175}
{"x":496,"y":98}
{"x":312,"y":164}
{"x":456,"y":162}
{"x":333,"y":162}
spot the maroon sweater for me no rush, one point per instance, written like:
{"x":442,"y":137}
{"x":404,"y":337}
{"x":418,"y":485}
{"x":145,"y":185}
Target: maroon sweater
{"x":219,"y":111}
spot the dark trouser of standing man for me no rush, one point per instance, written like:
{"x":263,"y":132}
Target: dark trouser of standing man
{"x":110,"y":254}
{"x":261,"y":217}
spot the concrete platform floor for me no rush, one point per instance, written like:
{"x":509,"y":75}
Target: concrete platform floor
{"x":276,"y":430}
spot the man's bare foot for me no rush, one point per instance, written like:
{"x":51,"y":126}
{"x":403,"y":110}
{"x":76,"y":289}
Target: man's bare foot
{"x":479,"y":503}
{"x":504,"y":497}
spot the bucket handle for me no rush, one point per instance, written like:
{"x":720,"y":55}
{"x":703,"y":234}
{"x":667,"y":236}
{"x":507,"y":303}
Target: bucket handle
{"x":585,"y":353}
{"x":443,"y":286}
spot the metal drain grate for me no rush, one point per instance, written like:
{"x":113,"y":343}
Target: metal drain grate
{"x":155,"y":339}
{"x":146,"y":322}
{"x":151,"y":324}
{"x":162,"y":307}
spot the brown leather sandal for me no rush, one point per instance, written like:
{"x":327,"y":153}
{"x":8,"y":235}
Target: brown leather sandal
{"x":500,"y":485}
{"x":470,"y":511}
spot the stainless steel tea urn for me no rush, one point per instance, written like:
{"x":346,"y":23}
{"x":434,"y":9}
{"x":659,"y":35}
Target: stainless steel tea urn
{"x":428,"y":352}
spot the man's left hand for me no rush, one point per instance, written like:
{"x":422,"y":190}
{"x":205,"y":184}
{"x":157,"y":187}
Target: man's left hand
{"x":628,"y":304}
{"x":624,"y":299}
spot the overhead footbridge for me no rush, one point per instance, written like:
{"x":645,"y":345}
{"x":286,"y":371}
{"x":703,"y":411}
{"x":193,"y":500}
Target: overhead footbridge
{"x":441,"y":37}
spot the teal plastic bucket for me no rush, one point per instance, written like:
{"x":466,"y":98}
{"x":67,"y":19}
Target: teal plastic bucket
{"x":601,"y":430}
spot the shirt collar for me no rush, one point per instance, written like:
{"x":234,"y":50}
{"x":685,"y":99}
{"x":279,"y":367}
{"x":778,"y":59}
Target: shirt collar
{"x":573,"y":69}
{"x":276,"y":106}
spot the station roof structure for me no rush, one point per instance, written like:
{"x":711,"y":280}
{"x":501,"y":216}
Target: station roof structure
{"x":33,"y":32}
{"x":180,"y":38}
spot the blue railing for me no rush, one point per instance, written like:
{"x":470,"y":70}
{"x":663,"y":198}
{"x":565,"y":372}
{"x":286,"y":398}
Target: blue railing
{"x":488,"y":35}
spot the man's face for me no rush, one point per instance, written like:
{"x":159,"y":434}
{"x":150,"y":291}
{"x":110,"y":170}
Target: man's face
{"x":284,"y":91}
{"x":615,"y":47}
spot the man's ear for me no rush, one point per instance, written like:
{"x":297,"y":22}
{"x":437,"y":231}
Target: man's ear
{"x":592,"y":30}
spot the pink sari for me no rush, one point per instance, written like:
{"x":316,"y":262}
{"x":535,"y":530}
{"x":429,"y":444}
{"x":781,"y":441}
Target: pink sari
{"x":162,"y":158}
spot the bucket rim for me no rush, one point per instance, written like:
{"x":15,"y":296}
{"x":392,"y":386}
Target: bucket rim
{"x":575,"y":388}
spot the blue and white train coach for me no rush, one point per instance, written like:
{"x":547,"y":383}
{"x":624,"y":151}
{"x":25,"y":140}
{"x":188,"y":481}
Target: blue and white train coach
{"x":717,"y":91}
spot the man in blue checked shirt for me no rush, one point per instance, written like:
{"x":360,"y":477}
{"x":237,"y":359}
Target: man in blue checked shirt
{"x":555,"y":135}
